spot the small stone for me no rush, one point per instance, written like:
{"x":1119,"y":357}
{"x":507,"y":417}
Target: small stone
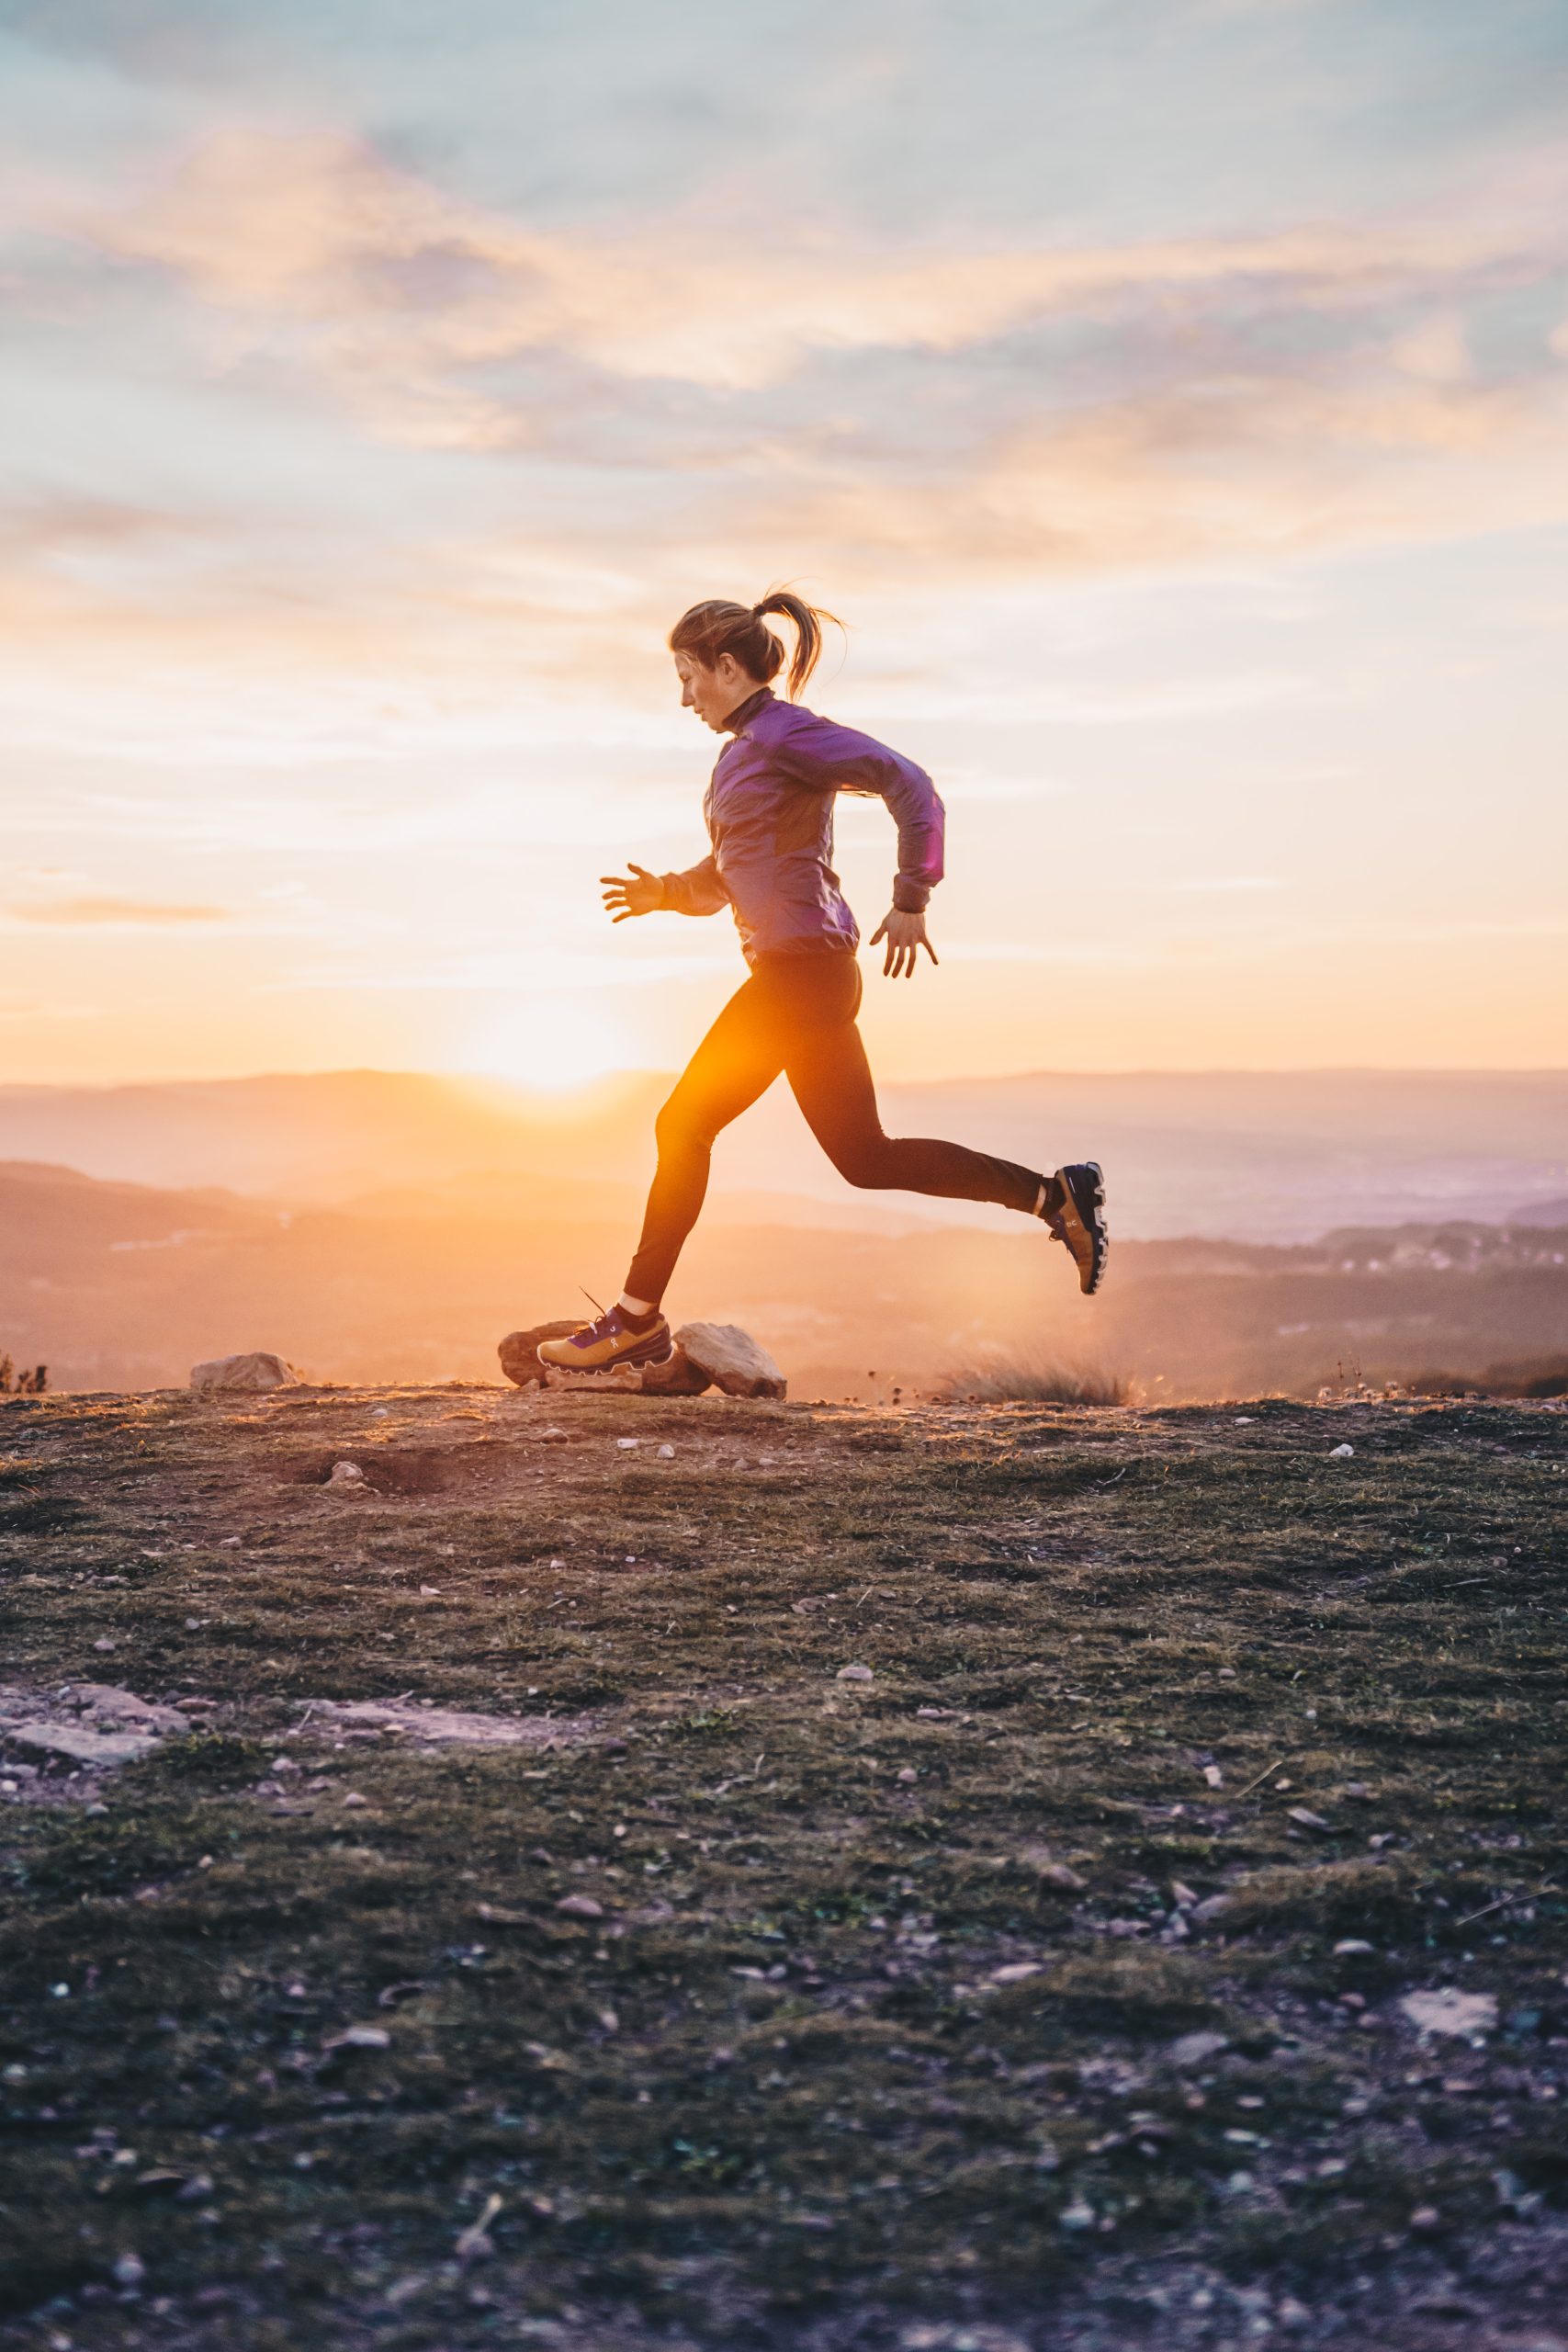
{"x":1244,"y":1421}
{"x":909,"y":1774}
{"x":105,"y":1643}
{"x":1348,"y":1946}
{"x":345,"y":1474}
{"x":1076,"y":2216}
{"x":1214,"y":1776}
{"x":628,"y":1445}
{"x":1195,"y":2049}
{"x":1341,"y":1453}
{"x":1304,"y":1818}
{"x":1360,"y":1790}
{"x":1061,"y":1875}
{"x":579,"y":1906}
{"x":553,"y":1436}
{"x":1446,"y":2010}
{"x":379,"y":1412}
{"x":130,"y":2269}
{"x":359,"y":2037}
{"x":854,"y":1674}
{"x":1016,"y":1972}
{"x":353,"y":1797}
{"x":256,"y":1372}
{"x":1426,"y":2217}
{"x":667,"y":1453}
{"x":1227,"y":1673}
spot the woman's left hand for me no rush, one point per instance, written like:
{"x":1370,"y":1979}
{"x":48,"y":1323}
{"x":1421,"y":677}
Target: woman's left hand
{"x":904,"y":935}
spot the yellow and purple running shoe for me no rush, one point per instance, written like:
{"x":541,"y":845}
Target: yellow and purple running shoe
{"x":1079,"y":1220}
{"x":612,"y":1340}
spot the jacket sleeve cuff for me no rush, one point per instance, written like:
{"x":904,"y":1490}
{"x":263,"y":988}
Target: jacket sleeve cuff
{"x":910,"y":896}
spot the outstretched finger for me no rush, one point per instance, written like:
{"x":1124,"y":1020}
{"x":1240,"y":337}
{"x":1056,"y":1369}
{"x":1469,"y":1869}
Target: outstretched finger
{"x":931,"y":951}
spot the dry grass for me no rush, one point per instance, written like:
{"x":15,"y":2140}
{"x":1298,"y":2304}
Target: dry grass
{"x":1034,"y":1381}
{"x":878,"y":2024}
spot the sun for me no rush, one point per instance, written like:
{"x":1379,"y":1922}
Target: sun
{"x":550,"y":1044}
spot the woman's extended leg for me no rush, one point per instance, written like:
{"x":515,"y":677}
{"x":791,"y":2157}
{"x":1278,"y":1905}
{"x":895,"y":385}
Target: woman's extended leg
{"x":736,"y":1063}
{"x":831,"y":1081}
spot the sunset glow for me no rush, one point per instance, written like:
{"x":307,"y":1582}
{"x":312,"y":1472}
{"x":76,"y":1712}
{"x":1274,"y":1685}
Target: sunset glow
{"x":379,"y":388}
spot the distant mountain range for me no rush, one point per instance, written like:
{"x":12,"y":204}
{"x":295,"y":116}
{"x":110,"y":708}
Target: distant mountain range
{"x":117,"y":1286}
{"x":1266,"y":1156}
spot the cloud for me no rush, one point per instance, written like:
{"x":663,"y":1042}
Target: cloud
{"x":406,"y":293}
{"x":94,"y":913}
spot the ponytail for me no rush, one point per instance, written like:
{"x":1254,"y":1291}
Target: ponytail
{"x":717,"y":626}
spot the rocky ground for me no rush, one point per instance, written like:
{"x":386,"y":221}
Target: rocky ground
{"x":622,"y":1871}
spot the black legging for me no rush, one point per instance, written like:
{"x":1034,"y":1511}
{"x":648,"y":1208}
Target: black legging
{"x":796,"y":1013}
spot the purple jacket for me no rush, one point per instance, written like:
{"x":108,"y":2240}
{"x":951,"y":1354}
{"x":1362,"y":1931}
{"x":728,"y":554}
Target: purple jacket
{"x":770,"y":817}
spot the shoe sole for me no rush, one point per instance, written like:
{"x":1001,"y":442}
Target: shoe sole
{"x":1083,"y":1215}
{"x":657,"y":1347}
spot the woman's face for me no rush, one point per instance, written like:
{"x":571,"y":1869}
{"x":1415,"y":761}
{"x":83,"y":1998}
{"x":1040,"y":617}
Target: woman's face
{"x":714,"y":694}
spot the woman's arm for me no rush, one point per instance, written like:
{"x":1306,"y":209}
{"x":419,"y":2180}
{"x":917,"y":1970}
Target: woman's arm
{"x":841,"y":759}
{"x":697,"y":891}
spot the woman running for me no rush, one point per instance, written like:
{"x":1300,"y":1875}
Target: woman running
{"x":769,"y":818}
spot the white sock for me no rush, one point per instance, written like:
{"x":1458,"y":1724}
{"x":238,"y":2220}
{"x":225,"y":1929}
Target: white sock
{"x":643,"y":1305}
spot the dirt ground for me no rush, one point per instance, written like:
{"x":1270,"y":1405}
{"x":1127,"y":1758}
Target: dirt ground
{"x":944,"y":1879}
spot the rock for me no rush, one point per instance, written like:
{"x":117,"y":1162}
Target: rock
{"x":667,"y":1453}
{"x":1348,"y":1946}
{"x":346,"y":1474}
{"x":102,"y":1703}
{"x":518,"y":1351}
{"x":256,"y":1372}
{"x":731,"y":1359}
{"x":1304,"y":1818}
{"x":449,"y":1726}
{"x":82,"y":1746}
{"x":854,"y":1674}
{"x":1446,"y":2010}
{"x":1341,"y":1453}
{"x":359,"y":2037}
{"x":1196,"y":2049}
{"x":679,"y":1378}
{"x":1061,"y":1875}
{"x":579,"y":1906}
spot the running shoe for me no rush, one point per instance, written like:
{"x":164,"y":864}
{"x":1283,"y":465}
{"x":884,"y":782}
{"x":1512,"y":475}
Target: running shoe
{"x":1080,"y":1220}
{"x":603,"y":1345}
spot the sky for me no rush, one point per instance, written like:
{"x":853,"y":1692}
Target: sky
{"x":1171,"y":395}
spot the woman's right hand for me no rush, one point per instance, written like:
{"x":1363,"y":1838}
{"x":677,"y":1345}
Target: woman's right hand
{"x":637,"y":893}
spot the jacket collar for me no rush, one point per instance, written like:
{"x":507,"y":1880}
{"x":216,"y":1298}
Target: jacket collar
{"x":744,"y":713}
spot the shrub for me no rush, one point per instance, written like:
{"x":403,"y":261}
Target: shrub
{"x":1034,"y":1381}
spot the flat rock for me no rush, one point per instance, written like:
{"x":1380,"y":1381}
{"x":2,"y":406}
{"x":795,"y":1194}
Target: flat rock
{"x":519,"y":1351}
{"x":731,"y":1359}
{"x":449,"y":1728}
{"x":255,"y":1372}
{"x":80,"y":1742}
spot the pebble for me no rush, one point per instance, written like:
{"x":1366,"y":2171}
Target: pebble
{"x":579,"y":1906}
{"x":854,"y":1674}
{"x":345,"y":1474}
{"x":1341,"y":1453}
{"x":667,"y":1453}
{"x":354,"y":1797}
{"x":628,"y":1445}
{"x":1348,"y":1946}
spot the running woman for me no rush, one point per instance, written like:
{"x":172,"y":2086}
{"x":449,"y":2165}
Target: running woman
{"x":769,"y":818}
